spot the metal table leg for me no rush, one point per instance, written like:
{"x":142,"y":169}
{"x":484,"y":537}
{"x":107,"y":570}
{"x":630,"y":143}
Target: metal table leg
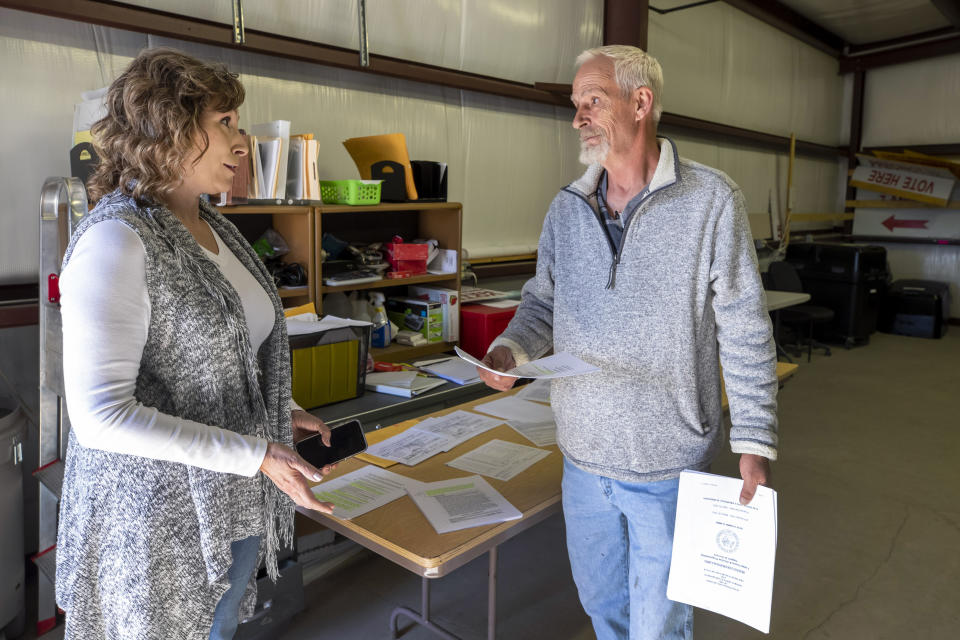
{"x":423,"y":616}
{"x":776,"y":338}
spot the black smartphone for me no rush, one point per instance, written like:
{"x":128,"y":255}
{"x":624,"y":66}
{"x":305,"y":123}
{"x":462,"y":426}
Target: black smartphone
{"x":345,"y":440}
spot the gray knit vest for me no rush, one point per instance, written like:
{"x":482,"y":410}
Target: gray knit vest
{"x":144,"y":545}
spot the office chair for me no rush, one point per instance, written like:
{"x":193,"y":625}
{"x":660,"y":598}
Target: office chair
{"x":783,"y":277}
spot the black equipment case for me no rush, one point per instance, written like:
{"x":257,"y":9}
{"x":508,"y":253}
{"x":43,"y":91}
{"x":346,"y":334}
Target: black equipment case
{"x":850,"y":279}
{"x":918,"y":308}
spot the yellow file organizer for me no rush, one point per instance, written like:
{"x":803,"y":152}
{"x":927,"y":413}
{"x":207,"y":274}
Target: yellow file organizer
{"x":329,"y":366}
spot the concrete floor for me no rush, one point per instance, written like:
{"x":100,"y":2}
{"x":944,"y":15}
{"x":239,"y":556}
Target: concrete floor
{"x":869,"y":531}
{"x":869,"y":505}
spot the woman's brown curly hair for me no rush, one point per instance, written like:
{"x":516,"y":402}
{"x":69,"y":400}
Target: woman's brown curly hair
{"x":153,"y":121}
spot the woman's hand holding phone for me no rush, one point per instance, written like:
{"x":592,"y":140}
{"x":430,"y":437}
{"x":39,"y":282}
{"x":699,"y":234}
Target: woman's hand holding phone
{"x":290,"y":473}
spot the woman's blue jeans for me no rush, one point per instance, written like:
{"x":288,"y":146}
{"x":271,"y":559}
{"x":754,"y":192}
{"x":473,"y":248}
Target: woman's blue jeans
{"x":619,"y":538}
{"x":226,"y":617}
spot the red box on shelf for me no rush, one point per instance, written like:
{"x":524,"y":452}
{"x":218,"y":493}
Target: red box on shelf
{"x":407,"y":257}
{"x":480,"y":325}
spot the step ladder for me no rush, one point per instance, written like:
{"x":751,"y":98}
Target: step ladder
{"x":63,"y":203}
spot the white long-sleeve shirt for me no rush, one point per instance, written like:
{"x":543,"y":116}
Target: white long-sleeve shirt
{"x":106,"y":314}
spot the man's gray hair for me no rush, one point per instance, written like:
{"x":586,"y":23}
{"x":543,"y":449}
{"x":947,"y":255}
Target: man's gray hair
{"x":633,"y":68}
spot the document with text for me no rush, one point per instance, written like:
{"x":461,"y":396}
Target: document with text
{"x":542,"y":433}
{"x":559,"y":365}
{"x":538,"y":391}
{"x":461,"y":503}
{"x":459,"y":426}
{"x":499,"y":459}
{"x":513,"y":408}
{"x":410,"y":447}
{"x":724,"y":552}
{"x":358,"y":492}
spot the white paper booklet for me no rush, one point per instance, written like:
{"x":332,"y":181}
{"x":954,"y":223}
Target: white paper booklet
{"x":361,"y":491}
{"x":454,"y":370}
{"x":410,"y":447}
{"x":459,"y":426}
{"x":461,"y":503}
{"x":723,"y":552}
{"x":499,"y":459}
{"x":559,"y":365}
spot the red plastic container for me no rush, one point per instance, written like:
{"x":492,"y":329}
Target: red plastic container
{"x":407,"y":257}
{"x":479,"y":325}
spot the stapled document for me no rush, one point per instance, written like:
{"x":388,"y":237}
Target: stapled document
{"x":724,"y":552}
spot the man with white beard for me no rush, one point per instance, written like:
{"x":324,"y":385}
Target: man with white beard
{"x":646,"y":269}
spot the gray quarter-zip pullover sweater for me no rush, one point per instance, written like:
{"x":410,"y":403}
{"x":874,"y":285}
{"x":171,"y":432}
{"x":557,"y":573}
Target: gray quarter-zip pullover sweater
{"x":658,"y":317}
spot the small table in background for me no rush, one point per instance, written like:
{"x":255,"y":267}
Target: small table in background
{"x":777,"y":300}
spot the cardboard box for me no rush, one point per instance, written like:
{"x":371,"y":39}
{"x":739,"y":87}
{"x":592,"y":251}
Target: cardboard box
{"x":450,"y":299}
{"x":422,"y":316}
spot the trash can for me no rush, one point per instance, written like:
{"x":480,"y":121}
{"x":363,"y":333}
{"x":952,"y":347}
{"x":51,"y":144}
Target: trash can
{"x":12,"y":433}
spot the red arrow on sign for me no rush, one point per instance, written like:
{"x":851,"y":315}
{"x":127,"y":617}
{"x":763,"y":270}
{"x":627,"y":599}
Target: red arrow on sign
{"x":892,"y":223}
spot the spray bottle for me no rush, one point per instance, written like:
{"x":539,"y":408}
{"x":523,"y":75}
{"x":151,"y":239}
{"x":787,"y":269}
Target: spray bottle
{"x":381,"y":325}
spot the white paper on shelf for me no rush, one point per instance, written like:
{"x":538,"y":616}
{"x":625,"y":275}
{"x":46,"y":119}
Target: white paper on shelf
{"x":459,"y":426}
{"x":542,"y":433}
{"x":559,"y":365}
{"x":276,"y":129}
{"x":454,"y":370}
{"x":538,"y":391}
{"x":410,"y":447}
{"x":514,"y":408}
{"x":461,"y":503}
{"x":499,"y":459}
{"x":724,"y":552}
{"x":402,"y":379}
{"x":358,"y":492}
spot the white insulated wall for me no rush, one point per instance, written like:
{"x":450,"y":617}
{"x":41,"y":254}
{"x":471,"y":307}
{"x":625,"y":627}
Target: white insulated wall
{"x":916,"y":104}
{"x":507,"y":157}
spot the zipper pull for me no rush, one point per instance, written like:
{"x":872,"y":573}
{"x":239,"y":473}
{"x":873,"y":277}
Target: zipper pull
{"x":611,"y":283}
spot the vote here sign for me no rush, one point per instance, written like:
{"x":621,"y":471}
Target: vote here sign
{"x":932,"y":185}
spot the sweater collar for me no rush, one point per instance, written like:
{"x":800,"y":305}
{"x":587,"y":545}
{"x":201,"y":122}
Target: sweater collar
{"x":666,"y":174}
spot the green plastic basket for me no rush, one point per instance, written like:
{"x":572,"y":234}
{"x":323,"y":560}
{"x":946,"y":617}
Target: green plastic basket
{"x":350,"y":191}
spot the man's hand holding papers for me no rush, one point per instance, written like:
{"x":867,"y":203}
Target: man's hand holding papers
{"x":724,"y":551}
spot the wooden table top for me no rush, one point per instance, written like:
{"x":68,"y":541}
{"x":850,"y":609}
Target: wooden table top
{"x":400,"y":532}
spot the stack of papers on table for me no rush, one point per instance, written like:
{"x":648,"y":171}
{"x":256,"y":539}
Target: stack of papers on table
{"x":358,"y":492}
{"x":538,"y":391}
{"x":458,"y":426}
{"x":534,"y":421}
{"x":453,"y":369}
{"x":401,"y":383}
{"x":724,"y":552}
{"x":499,"y":459}
{"x":461,"y":503}
{"x":432,"y":436}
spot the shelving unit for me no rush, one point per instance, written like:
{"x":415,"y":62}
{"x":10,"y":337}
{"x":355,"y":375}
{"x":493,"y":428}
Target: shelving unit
{"x":303,"y":224}
{"x":295,"y":224}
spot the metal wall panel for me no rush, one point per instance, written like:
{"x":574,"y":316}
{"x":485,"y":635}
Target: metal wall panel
{"x":722,"y":65}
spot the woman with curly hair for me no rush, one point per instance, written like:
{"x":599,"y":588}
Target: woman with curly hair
{"x":179,"y":472}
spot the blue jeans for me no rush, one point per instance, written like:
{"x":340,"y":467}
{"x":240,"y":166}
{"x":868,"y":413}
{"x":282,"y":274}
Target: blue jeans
{"x":226,"y":617}
{"x":620,"y":537}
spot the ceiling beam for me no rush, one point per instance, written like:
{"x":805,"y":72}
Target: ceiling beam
{"x":784,"y":18}
{"x":945,"y":149}
{"x":625,"y":22}
{"x":750,"y":137}
{"x":900,"y":55}
{"x":950,"y":10}
{"x":913,"y":38}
